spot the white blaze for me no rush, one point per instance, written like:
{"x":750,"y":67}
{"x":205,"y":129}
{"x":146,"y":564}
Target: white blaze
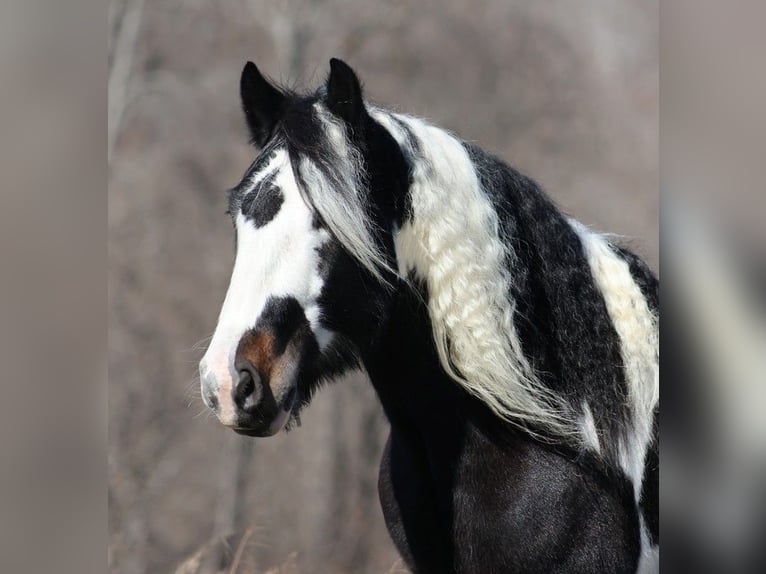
{"x":276,"y":260}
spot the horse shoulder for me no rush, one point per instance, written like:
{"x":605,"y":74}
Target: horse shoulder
{"x":522,"y":507}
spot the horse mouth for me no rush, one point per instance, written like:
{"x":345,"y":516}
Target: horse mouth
{"x":253,"y":432}
{"x":277,"y":423}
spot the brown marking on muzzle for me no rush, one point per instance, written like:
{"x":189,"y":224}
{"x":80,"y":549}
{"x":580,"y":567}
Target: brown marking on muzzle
{"x":258,"y":347}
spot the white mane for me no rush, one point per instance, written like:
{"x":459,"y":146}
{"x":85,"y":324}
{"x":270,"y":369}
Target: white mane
{"x":451,"y":240}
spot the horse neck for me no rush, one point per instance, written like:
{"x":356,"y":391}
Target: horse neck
{"x":404,"y":365}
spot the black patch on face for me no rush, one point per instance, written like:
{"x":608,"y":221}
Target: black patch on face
{"x":284,"y":318}
{"x":262,"y":204}
{"x":238,"y":192}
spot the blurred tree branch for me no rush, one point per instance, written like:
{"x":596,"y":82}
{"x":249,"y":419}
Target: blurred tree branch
{"x":127,"y":24}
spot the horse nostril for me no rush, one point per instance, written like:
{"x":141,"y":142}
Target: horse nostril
{"x":247,"y":392}
{"x":209,"y":398}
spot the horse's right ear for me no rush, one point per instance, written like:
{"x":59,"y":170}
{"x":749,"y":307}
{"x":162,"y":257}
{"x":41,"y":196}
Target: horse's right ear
{"x":262,"y":102}
{"x":344,"y":94}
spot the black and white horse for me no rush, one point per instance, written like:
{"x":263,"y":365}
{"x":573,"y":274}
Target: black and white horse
{"x":515,"y":352}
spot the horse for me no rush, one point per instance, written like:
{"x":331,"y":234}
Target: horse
{"x":514,"y":351}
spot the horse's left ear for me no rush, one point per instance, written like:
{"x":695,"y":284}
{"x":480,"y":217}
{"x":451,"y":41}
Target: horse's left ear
{"x":344,"y":94}
{"x":262,"y":102}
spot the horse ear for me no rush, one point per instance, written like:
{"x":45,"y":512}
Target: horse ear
{"x":344,"y":94}
{"x":262,"y":103}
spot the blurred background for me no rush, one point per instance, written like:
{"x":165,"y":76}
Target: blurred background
{"x":565,"y":91}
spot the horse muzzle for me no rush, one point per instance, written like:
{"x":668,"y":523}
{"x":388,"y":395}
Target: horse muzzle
{"x":257,"y":397}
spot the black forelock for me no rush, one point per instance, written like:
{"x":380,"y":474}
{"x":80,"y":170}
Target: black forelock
{"x":383,"y":170}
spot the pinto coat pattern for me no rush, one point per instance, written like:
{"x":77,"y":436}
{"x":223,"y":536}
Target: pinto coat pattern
{"x":514,"y":351}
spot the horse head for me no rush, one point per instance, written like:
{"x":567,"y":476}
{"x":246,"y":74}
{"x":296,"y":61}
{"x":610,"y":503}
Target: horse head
{"x":313,"y":261}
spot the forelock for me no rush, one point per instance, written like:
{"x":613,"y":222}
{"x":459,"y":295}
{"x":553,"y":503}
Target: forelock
{"x":331,"y":175}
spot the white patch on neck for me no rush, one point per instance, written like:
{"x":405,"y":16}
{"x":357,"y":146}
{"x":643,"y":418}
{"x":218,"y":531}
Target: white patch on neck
{"x":638,"y":329}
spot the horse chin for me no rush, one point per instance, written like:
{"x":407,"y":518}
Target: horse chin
{"x":277,"y":423}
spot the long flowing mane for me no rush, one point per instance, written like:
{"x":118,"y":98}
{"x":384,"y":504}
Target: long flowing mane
{"x":452,"y":241}
{"x":479,"y":267}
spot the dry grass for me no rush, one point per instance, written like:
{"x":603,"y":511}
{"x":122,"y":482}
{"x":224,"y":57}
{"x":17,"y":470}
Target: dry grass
{"x":236,"y":554}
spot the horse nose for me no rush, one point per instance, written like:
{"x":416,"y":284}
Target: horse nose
{"x":248,"y":390}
